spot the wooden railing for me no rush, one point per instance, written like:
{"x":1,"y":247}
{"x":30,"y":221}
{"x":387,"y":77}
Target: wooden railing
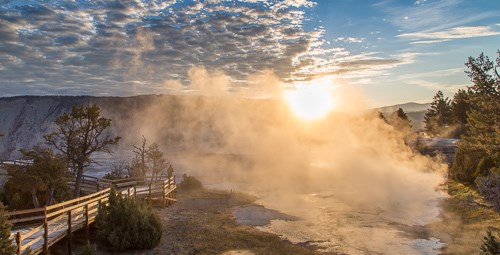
{"x":92,"y":184}
{"x":40,"y":228}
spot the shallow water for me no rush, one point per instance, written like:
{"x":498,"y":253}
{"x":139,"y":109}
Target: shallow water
{"x":322,"y":218}
{"x":334,"y":226}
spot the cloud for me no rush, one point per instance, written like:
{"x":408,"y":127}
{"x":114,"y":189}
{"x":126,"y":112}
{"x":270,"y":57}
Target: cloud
{"x":349,"y":39}
{"x":430,"y":41}
{"x":432,"y":15}
{"x":453,"y":33}
{"x":139,"y":47}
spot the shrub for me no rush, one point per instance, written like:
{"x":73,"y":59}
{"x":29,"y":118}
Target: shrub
{"x":128,"y":224}
{"x":465,"y":164}
{"x":490,"y":244}
{"x":6,"y":245}
{"x":190,"y":183}
{"x":489,"y":187}
{"x":88,"y":249}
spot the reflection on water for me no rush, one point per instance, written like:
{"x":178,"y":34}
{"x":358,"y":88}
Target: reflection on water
{"x":389,"y":219}
{"x":334,"y":226}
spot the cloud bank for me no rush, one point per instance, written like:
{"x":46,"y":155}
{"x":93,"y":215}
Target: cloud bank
{"x":142,"y":47}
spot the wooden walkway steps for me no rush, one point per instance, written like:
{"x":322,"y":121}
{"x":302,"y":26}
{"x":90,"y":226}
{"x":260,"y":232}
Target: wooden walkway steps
{"x":40,"y":228}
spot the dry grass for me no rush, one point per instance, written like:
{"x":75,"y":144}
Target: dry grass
{"x":202,"y":223}
{"x":465,"y":219}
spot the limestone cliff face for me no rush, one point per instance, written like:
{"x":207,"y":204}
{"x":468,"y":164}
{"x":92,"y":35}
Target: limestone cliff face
{"x":24,"y":120}
{"x":174,"y":122}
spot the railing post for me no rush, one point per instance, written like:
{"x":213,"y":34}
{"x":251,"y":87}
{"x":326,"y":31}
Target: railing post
{"x":69,"y":232}
{"x":87,"y":221}
{"x":45,"y":233}
{"x":149,"y":191}
{"x":164,"y":194}
{"x":19,"y":241}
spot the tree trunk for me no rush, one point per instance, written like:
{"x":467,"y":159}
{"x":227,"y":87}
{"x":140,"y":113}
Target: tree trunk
{"x":34,"y":198}
{"x":79,"y":177}
{"x":50,"y":195}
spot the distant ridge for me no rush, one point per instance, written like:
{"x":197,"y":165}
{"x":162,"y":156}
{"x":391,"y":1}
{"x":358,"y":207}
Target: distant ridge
{"x":414,"y":111}
{"x":407,"y":107}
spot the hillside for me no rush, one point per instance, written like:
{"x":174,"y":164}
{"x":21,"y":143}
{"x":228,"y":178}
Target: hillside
{"x":414,"y":111}
{"x":174,"y":121}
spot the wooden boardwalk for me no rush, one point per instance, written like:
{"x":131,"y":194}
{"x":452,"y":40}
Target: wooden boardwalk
{"x":38,"y":229}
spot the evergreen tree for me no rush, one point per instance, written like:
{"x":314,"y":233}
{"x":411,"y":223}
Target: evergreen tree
{"x":484,"y":97}
{"x":400,"y":120}
{"x":460,"y":106}
{"x":79,"y":134}
{"x":127,"y":224}
{"x":46,"y":173}
{"x":479,"y":150}
{"x":438,"y":115}
{"x":402,"y":115}
{"x":6,"y":245}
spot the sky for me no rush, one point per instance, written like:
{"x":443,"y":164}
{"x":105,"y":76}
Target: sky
{"x":394,"y":51}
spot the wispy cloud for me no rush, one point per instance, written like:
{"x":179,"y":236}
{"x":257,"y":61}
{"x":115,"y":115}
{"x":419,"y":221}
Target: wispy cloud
{"x":430,"y":41}
{"x":454,"y":33}
{"x":432,"y":16}
{"x":449,"y":34}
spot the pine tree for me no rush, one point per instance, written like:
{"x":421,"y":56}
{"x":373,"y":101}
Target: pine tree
{"x":6,"y":245}
{"x":479,"y":150}
{"x":438,"y":115}
{"x":484,"y":97}
{"x":78,"y":135}
{"x":460,"y":106}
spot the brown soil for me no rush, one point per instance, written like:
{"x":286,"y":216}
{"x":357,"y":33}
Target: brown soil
{"x":201,"y":222}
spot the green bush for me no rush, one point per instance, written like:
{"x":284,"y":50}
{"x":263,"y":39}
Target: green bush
{"x":88,"y":249}
{"x":490,"y":244}
{"x":6,"y":245}
{"x":128,"y":224}
{"x":489,"y":187}
{"x":465,"y":164}
{"x":190,"y":183}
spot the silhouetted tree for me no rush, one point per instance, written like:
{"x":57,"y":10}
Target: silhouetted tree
{"x":141,"y":153}
{"x":157,"y":160}
{"x":438,"y":115}
{"x":79,"y":134}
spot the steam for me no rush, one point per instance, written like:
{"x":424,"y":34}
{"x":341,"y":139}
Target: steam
{"x":258,"y":145}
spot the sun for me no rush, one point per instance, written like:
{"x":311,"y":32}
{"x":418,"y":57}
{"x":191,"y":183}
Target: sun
{"x":310,"y":102}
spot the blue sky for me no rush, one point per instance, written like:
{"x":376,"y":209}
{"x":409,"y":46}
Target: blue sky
{"x":394,"y":51}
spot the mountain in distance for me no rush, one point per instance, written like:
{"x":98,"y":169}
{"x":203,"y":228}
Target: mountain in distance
{"x":414,"y":111}
{"x":407,"y":107}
